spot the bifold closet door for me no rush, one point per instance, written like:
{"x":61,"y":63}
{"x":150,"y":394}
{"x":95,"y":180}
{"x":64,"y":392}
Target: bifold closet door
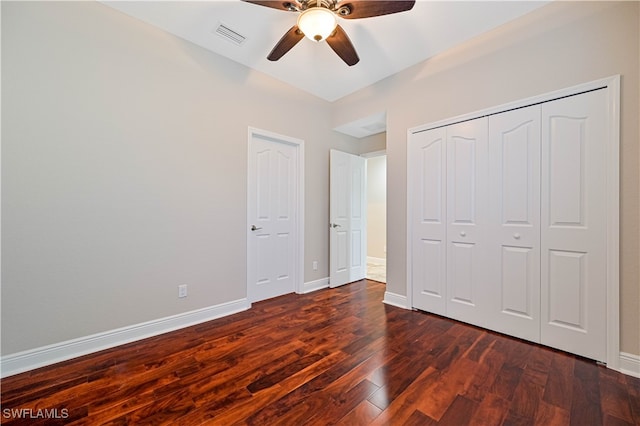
{"x":467,"y":220}
{"x":573,"y":290}
{"x":448,"y":168}
{"x":427,"y":173}
{"x":509,"y":222}
{"x":514,"y":203}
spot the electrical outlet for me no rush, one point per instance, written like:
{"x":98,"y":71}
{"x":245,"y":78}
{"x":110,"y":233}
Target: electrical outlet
{"x":182,"y":290}
{"x":315,"y":265}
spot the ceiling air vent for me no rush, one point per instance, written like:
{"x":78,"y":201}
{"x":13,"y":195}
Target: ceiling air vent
{"x":231,"y":35}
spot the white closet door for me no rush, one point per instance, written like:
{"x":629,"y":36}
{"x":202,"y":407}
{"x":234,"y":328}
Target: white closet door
{"x":574,"y":224}
{"x":427,"y":174}
{"x":514,"y":173}
{"x":467,"y":219}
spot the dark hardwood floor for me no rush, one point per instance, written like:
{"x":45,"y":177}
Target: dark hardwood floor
{"x":335,"y":356}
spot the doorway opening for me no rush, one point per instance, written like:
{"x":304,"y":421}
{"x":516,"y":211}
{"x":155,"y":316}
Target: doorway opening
{"x":376,"y":216}
{"x":372,"y":144}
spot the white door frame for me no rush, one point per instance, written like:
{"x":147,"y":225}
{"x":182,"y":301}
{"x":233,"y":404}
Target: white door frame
{"x":612,"y":85}
{"x":299,"y":244}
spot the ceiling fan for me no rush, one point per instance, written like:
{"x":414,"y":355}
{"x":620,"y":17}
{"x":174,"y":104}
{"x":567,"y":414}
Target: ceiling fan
{"x":318,"y":22}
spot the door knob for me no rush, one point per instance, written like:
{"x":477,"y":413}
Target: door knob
{"x":516,"y":236}
{"x":253,"y":228}
{"x":463,"y":234}
{"x":333,"y":225}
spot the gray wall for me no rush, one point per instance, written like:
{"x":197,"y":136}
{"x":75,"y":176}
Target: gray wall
{"x":124,"y":163}
{"x":557,"y":46}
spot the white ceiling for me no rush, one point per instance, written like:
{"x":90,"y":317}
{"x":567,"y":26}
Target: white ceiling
{"x":386,"y":44}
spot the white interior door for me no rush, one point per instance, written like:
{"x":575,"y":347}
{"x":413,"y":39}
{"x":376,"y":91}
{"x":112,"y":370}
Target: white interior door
{"x":427,"y":164}
{"x":347,"y":228}
{"x":574,"y":178}
{"x":514,"y":191}
{"x":467,"y":219}
{"x":273,"y":215}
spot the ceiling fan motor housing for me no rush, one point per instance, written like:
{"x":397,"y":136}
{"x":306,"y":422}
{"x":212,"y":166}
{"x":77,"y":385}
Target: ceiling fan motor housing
{"x":329,"y":4}
{"x":332,"y":5}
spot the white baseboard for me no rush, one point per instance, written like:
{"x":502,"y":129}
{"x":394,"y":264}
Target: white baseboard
{"x":397,"y":300}
{"x":629,"y":364}
{"x":46,"y":355}
{"x":377,"y":260}
{"x":315,"y":285}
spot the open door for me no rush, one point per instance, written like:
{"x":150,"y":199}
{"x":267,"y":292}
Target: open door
{"x":348,"y":221}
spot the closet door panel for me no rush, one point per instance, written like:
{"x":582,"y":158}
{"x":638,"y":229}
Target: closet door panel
{"x":516,"y":283}
{"x":461,"y":282}
{"x":567,"y":289}
{"x":514,"y":237}
{"x":463,"y":179}
{"x":467,"y":219}
{"x":574,"y":224}
{"x":429,"y":273}
{"x":427,"y":171}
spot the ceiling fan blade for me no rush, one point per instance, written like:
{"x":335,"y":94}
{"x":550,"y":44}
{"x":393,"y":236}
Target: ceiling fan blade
{"x":370,"y":8}
{"x":292,"y":5}
{"x":290,"y":39}
{"x":340,"y":43}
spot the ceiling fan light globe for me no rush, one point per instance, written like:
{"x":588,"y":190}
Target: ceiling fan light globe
{"x":317,"y":23}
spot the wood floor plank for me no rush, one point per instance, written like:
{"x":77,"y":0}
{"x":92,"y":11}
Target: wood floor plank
{"x":314,"y":387}
{"x":491,"y":411}
{"x":398,"y":375}
{"x":615,"y":401}
{"x":585,"y":404}
{"x":418,"y":418}
{"x":277,"y":376}
{"x":480,"y":346}
{"x":359,"y":374}
{"x":513,"y":419}
{"x":551,"y":415}
{"x":342,"y":404}
{"x":488,"y":368}
{"x":610,"y":420}
{"x":399,"y":410}
{"x":540,"y":361}
{"x":633,"y":387}
{"x":518,"y":352}
{"x":459,"y":412}
{"x":464,"y":340}
{"x":453,"y":382}
{"x":506,"y":382}
{"x":334,"y":356}
{"x":559,"y":388}
{"x":526,"y":397}
{"x":362,"y":415}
